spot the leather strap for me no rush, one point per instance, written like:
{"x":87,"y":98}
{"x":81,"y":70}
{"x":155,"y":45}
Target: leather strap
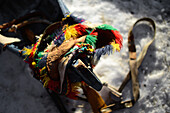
{"x":21,"y":19}
{"x":135,"y":63}
{"x":14,"y":27}
{"x":93,"y":97}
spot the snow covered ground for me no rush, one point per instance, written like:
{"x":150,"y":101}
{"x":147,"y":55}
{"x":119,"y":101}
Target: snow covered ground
{"x":20,"y":93}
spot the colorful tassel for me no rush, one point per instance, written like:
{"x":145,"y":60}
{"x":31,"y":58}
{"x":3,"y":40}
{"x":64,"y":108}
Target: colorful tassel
{"x":91,"y":39}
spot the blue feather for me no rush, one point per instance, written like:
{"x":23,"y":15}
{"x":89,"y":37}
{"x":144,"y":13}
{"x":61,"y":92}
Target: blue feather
{"x":102,"y":51}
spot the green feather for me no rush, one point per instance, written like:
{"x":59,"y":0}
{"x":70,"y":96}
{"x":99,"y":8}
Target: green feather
{"x":91,"y":39}
{"x":106,"y":27}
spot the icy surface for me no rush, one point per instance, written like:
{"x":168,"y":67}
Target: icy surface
{"x":20,"y":93}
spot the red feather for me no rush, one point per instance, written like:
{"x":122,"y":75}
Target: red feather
{"x":118,"y":37}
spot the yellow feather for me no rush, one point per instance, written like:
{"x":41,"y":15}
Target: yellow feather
{"x":70,"y":32}
{"x":115,"y":46}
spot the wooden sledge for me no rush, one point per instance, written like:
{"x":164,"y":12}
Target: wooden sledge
{"x":23,"y":25}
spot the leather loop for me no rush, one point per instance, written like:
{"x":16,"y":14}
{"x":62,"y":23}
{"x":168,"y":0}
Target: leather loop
{"x":50,"y":29}
{"x":143,"y":53}
{"x":135,"y":64}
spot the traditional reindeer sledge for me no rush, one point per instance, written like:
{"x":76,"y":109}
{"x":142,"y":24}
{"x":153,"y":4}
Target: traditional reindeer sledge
{"x":64,"y":55}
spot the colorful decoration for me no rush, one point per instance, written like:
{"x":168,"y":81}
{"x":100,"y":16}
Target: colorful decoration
{"x":37,"y":60}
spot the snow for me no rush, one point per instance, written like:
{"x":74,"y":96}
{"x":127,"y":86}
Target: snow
{"x":20,"y":93}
